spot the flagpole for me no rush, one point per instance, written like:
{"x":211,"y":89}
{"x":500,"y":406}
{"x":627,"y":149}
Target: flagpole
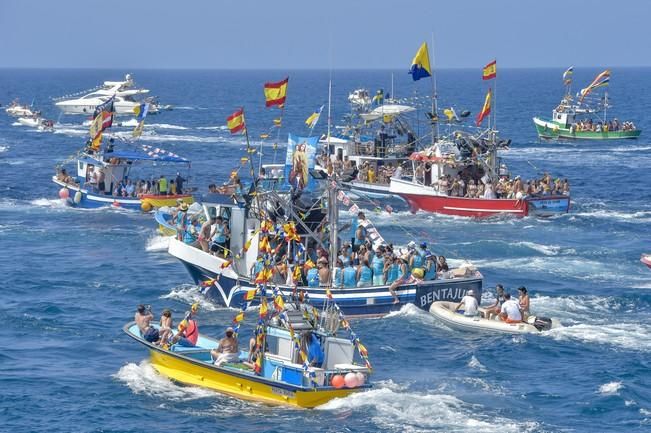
{"x":435,"y":107}
{"x":248,"y":146}
{"x":495,"y":99}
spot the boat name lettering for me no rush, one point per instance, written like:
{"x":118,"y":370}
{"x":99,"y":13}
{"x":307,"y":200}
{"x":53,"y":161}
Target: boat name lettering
{"x":283,"y":392}
{"x":442,"y":294}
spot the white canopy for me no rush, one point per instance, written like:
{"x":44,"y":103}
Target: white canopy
{"x":388,"y":109}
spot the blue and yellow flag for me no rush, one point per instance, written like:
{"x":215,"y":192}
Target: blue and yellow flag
{"x":420,"y":65}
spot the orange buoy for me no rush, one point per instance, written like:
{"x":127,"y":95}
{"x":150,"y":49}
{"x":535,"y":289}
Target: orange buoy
{"x":337,"y":381}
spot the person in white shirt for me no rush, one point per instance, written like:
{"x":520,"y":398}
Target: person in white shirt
{"x":470,"y":304}
{"x":510,"y":312}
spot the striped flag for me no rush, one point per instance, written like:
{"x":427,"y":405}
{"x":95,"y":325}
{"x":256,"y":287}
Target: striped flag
{"x":276,"y":93}
{"x":490,"y":71}
{"x":235,"y":121}
{"x":486,"y":109}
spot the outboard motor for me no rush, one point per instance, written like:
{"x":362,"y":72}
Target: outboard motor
{"x":540,"y":323}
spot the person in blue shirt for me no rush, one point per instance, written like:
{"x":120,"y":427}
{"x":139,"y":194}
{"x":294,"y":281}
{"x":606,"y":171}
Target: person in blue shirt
{"x":377,"y":265}
{"x":312,"y":347}
{"x":364,"y":275}
{"x":359,"y":231}
{"x":313,"y":277}
{"x":338,"y":275}
{"x":430,"y":266}
{"x":350,"y":275}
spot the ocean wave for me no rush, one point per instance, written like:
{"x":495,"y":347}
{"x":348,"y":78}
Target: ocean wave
{"x":610,"y":388}
{"x":166,"y":126}
{"x":144,"y":379}
{"x":629,"y":336}
{"x":638,"y":217}
{"x":189,"y":294}
{"x":4,"y":149}
{"x":48,"y":202}
{"x":475,"y":364}
{"x":157,"y":243}
{"x":213,"y":128}
{"x":413,"y":412}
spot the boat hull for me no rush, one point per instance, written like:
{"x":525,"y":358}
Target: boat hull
{"x":551,"y":130}
{"x":229,"y":288}
{"x":646,"y":259}
{"x":427,"y":199}
{"x":90,"y":200}
{"x":183,"y":368}
{"x":444,"y":311}
{"x":371,"y":190}
{"x":120,"y":108}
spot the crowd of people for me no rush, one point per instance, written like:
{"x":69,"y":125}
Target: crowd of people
{"x":609,"y":125}
{"x":227,"y":350}
{"x":465,"y":185}
{"x":358,"y":264}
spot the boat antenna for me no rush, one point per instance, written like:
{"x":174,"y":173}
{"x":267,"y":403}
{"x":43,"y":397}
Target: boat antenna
{"x":329,"y":95}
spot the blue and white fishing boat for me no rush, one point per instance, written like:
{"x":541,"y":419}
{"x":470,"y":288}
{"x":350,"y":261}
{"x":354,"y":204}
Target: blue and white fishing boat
{"x":122,"y":178}
{"x":295,"y":224}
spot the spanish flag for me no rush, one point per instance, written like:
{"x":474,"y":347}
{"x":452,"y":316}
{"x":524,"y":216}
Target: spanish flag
{"x":276,"y":93}
{"x":420,"y":64}
{"x":490,"y":71}
{"x":486,"y":109}
{"x":235,"y":121}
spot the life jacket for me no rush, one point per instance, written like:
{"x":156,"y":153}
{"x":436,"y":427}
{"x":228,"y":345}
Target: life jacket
{"x":192,"y":332}
{"x":162,"y":185}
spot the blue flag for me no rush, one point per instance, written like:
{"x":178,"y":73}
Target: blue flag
{"x":420,"y":64}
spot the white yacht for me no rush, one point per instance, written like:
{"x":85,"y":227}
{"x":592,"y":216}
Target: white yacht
{"x":125,"y":98}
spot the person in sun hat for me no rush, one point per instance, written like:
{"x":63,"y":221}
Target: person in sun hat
{"x":470,"y":304}
{"x":227,"y":350}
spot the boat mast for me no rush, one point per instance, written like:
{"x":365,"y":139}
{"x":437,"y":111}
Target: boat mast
{"x":393,"y":96}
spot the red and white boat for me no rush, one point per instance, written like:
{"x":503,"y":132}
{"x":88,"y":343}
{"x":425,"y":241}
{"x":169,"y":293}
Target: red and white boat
{"x":646,"y":259}
{"x":473,"y":160}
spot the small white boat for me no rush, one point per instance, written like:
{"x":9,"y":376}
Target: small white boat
{"x":37,"y":122}
{"x":444,"y":311}
{"x":17,"y":110}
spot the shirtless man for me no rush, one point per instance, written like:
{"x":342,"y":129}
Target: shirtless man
{"x":228,"y":350}
{"x":205,"y":233}
{"x":143,"y":318}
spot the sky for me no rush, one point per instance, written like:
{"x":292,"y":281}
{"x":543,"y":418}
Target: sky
{"x":338,"y":34}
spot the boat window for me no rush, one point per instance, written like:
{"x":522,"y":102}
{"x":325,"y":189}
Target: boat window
{"x":92,"y":95}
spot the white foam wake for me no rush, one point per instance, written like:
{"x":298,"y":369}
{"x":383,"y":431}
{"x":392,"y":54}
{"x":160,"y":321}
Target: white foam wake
{"x":143,"y":379}
{"x":610,"y":388}
{"x":630,"y":336}
{"x":4,"y":149}
{"x":189,"y":295}
{"x":157,"y":243}
{"x":167,"y":126}
{"x":411,"y":412}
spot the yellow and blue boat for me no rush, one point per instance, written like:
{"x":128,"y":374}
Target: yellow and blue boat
{"x":281,"y":375}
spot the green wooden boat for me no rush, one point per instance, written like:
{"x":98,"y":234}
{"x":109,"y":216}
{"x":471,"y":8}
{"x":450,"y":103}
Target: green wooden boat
{"x":572,"y":119}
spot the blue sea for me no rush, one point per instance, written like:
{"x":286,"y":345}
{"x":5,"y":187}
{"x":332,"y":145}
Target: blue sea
{"x":72,"y":278}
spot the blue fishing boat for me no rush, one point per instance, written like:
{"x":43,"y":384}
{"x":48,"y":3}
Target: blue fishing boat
{"x":123,"y":178}
{"x":282,"y":229}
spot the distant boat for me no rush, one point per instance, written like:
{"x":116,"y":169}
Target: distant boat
{"x":572,"y":118}
{"x":101,"y":177}
{"x":15,"y":109}
{"x":442,"y":167}
{"x":125,"y":98}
